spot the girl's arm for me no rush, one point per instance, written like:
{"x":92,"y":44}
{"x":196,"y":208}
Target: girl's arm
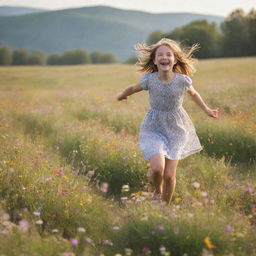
{"x":129,"y":91}
{"x":199,"y":101}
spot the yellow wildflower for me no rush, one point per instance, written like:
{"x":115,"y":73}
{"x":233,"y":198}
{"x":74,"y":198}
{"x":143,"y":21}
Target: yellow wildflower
{"x":209,"y":243}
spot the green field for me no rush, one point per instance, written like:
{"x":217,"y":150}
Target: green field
{"x":68,"y":147}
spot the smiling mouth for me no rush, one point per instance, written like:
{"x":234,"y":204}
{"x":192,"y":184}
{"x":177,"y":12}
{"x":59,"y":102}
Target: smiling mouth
{"x":164,"y":63}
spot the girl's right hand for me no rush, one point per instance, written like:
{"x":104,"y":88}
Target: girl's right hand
{"x":120,"y":96}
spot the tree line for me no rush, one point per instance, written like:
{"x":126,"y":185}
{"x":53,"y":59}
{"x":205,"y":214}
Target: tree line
{"x":70,"y":57}
{"x":235,"y":37}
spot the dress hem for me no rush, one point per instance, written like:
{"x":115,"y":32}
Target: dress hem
{"x":178,"y":158}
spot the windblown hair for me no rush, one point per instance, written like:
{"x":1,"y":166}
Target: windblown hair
{"x":184,"y":56}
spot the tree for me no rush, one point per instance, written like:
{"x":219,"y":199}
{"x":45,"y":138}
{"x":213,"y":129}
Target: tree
{"x":199,"y":32}
{"x":155,"y":36}
{"x":5,"y":55}
{"x":54,"y":59}
{"x":251,"y":17}
{"x":95,"y":57}
{"x":36,"y":58}
{"x":20,"y":57}
{"x":108,"y":58}
{"x":235,"y":40}
{"x":131,"y":60}
{"x":75,"y":57}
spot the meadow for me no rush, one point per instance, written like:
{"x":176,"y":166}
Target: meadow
{"x":73,"y":182}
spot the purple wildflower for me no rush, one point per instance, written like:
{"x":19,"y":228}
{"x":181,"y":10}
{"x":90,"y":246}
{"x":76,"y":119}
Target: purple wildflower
{"x":228,"y":228}
{"x":74,"y":242}
{"x":160,"y":228}
{"x":249,"y":190}
{"x":146,"y":250}
{"x":107,"y":242}
{"x":88,"y":240}
{"x":24,"y":225}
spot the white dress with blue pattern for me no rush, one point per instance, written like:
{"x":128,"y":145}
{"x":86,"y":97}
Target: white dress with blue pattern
{"x":167,"y":128}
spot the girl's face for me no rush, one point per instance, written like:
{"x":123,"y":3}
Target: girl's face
{"x":164,"y":58}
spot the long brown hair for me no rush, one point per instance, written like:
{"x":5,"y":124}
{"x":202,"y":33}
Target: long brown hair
{"x":184,"y":56}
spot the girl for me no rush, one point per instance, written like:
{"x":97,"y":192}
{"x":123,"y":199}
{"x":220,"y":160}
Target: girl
{"x":167,"y":134}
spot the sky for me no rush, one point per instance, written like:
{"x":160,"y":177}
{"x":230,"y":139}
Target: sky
{"x":214,"y":7}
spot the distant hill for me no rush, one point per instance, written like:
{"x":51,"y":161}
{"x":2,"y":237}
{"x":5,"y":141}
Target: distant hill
{"x":11,"y":11}
{"x":100,"y":27}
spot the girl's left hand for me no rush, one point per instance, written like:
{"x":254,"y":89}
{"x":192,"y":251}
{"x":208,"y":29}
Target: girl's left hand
{"x":213,"y":112}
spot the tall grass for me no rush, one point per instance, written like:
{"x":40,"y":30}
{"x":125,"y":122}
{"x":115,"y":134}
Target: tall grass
{"x":65,"y":136}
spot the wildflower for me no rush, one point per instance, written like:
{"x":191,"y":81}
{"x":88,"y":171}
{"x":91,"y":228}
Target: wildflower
{"x":190,"y":215}
{"x":125,"y":188}
{"x":209,"y":243}
{"x":146,"y":250}
{"x":90,"y":173}
{"x":203,"y":194}
{"x":107,"y":242}
{"x":104,"y":187}
{"x":40,"y":208}
{"x":116,"y":228}
{"x":63,"y":193}
{"x":81,"y":230}
{"x":177,"y":207}
{"x":55,"y":230}
{"x":128,"y":251}
{"x":88,"y":240}
{"x":74,"y":242}
{"x":49,"y":179}
{"x":36,"y":213}
{"x":228,"y":228}
{"x":162,"y":249}
{"x":196,"y":184}
{"x":249,"y":190}
{"x":67,"y":254}
{"x":138,"y":200}
{"x":66,"y":177}
{"x":58,"y":173}
{"x":39,"y":222}
{"x":24,"y":225}
{"x":160,"y":228}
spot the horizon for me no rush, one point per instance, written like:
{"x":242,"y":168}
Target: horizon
{"x":119,"y":8}
{"x":217,"y":7}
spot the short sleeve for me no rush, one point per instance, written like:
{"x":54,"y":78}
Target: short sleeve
{"x":144,"y":81}
{"x":187,"y":83}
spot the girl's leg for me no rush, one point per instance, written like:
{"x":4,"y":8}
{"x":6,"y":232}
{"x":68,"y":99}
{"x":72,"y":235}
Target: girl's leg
{"x":157,"y":164}
{"x":169,"y":179}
